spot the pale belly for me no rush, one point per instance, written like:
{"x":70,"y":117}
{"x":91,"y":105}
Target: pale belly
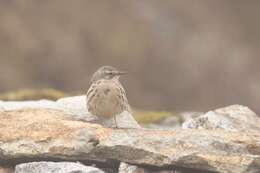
{"x":106,"y":101}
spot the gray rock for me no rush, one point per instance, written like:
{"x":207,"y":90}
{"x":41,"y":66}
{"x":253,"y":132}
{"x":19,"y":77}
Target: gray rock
{"x":74,"y":108}
{"x":127,"y":168}
{"x":35,"y":134}
{"x":55,"y":167}
{"x":232,"y":118}
{"x":35,"y":130}
{"x":14,"y":105}
{"x":185,"y":116}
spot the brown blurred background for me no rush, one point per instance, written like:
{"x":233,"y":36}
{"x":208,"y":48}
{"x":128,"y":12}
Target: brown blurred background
{"x":180,"y":54}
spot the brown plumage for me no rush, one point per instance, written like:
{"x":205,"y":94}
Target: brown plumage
{"x":106,"y":96}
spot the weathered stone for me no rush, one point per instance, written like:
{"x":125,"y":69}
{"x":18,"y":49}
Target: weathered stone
{"x":55,"y":167}
{"x":233,"y":118}
{"x":126,"y":168}
{"x":74,"y":108}
{"x":34,"y":134}
{"x":6,"y":170}
{"x":14,"y":105}
{"x":185,"y":116}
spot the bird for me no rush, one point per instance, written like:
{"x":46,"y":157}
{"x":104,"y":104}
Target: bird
{"x":106,"y":97}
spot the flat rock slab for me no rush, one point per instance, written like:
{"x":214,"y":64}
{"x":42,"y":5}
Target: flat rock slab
{"x":35,"y":134}
{"x":73,"y":108}
{"x":55,"y":167}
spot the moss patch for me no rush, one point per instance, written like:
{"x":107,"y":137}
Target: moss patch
{"x":147,"y":117}
{"x":32,"y":94}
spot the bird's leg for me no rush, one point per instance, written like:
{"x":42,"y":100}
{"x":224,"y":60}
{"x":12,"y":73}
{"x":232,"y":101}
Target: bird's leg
{"x":115,"y":121}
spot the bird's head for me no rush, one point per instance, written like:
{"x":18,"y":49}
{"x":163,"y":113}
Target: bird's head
{"x":106,"y":72}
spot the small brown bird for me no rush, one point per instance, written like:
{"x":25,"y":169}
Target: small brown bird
{"x":106,"y":97}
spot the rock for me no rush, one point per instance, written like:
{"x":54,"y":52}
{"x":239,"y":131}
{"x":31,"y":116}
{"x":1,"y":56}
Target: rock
{"x":126,"y":168}
{"x":74,"y":108}
{"x":124,"y":120}
{"x":14,"y":105}
{"x":185,"y":116}
{"x":55,"y":167}
{"x":6,"y":170}
{"x":40,"y":134}
{"x":233,"y":118}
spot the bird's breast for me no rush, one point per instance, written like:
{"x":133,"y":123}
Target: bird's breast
{"x":106,"y":99}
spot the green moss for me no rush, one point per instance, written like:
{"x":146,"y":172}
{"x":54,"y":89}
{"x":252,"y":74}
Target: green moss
{"x":32,"y":94}
{"x":146,"y":117}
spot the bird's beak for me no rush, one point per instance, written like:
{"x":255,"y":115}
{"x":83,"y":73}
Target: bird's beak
{"x":121,"y":73}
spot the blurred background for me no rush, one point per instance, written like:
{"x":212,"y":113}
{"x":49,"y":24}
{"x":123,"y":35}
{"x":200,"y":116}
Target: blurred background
{"x":180,"y":55}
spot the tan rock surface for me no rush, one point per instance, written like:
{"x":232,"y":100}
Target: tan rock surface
{"x":73,"y":108}
{"x":6,"y":170}
{"x":44,"y":134}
